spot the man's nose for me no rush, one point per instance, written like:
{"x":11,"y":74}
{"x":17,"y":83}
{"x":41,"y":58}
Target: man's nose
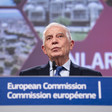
{"x":54,"y":40}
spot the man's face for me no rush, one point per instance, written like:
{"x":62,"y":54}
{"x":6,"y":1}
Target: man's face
{"x":56,"y":43}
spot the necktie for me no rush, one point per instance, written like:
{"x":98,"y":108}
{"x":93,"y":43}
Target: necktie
{"x":58,"y":70}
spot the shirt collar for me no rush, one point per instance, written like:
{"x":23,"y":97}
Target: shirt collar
{"x":66,"y":65}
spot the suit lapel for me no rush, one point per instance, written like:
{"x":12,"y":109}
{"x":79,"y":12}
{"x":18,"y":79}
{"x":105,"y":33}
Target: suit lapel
{"x":74,"y":70}
{"x":44,"y":70}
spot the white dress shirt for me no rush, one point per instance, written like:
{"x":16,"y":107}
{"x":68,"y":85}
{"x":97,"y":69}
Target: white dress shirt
{"x":64,"y":73}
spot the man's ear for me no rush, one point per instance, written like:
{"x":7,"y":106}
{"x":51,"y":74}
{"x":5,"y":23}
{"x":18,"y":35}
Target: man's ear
{"x":72,"y":44}
{"x":43,"y":49}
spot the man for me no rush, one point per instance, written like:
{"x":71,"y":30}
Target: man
{"x":57,"y":43}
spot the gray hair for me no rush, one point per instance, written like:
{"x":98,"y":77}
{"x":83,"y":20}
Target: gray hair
{"x":57,"y":24}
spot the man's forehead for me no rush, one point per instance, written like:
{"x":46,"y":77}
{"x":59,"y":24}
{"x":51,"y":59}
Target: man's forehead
{"x":56,"y":30}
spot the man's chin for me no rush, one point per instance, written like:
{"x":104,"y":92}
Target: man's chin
{"x":56,"y":56}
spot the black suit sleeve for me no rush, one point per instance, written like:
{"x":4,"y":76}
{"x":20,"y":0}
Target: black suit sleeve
{"x":29,"y":72}
{"x":90,"y":72}
{"x":42,"y":70}
{"x":76,"y":70}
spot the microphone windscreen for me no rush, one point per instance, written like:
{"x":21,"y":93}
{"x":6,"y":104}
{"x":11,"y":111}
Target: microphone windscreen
{"x":53,"y":65}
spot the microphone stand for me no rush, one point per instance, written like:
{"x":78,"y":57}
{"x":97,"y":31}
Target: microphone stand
{"x":53,"y":66}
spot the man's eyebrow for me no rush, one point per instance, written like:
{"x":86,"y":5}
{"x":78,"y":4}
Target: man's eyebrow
{"x":48,"y":36}
{"x":52,"y":35}
{"x":60,"y":33}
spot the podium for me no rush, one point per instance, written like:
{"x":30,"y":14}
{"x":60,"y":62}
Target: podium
{"x":56,"y":91}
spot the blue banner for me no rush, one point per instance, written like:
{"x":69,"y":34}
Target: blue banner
{"x":55,"y":91}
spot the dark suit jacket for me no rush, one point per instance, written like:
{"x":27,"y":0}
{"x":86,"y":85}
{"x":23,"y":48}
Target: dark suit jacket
{"x":75,"y":70}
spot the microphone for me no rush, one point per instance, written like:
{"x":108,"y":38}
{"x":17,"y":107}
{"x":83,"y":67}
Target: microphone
{"x":53,"y":66}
